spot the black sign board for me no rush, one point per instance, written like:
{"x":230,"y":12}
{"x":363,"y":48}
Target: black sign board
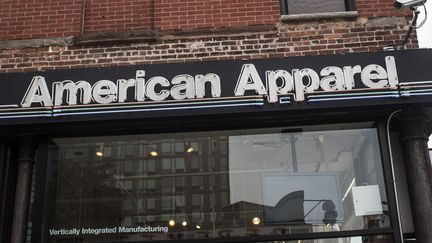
{"x":296,"y":83}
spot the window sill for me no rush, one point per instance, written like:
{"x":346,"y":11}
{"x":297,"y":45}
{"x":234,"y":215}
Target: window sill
{"x":317,"y":16}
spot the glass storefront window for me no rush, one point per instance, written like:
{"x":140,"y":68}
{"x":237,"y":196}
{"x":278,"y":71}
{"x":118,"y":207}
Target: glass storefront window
{"x":277,"y":181}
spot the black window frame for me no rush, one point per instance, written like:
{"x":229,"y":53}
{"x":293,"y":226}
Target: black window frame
{"x":8,"y":172}
{"x":349,"y":6}
{"x":40,"y":221}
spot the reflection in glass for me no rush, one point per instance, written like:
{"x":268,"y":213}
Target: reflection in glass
{"x":357,"y":239}
{"x":232,"y":183}
{"x":315,"y":6}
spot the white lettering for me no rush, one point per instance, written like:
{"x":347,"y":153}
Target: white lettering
{"x":249,"y":80}
{"x":123,"y":86}
{"x":333,"y":79}
{"x":140,"y":85}
{"x":73,"y":231}
{"x":273,"y":89}
{"x":392,"y":71}
{"x":184,"y":87}
{"x":151,"y":85}
{"x":349,"y":73}
{"x":37,"y":93}
{"x":312,"y":85}
{"x":374,"y":72}
{"x":215,"y":86}
{"x":104,"y":92}
{"x":71,"y":89}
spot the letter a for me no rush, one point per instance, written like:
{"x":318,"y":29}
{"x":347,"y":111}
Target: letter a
{"x":37,"y":93}
{"x":249,"y":80}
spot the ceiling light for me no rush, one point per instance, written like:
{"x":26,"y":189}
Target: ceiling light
{"x":171,"y":223}
{"x":256,"y":221}
{"x":99,"y":154}
{"x":153,"y":153}
{"x":184,"y":223}
{"x":190,"y":150}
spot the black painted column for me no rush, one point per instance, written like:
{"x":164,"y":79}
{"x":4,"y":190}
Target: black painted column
{"x":414,"y":126}
{"x":22,"y":192}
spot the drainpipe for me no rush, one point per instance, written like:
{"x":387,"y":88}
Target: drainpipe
{"x":82,"y":24}
{"x":26,"y":159}
{"x":414,"y":124}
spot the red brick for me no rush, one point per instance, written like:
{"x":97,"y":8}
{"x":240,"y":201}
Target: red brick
{"x":291,"y":39}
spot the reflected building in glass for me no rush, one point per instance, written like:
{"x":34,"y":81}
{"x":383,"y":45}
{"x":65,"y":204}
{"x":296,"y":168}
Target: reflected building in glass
{"x":180,"y":183}
{"x":216,"y":184}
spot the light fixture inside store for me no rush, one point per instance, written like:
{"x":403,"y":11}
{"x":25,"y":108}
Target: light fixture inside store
{"x":171,"y":223}
{"x":154,"y":153}
{"x":184,"y":223}
{"x":99,"y":153}
{"x":198,"y":227}
{"x":190,"y":150}
{"x":349,"y":189}
{"x":256,"y":221}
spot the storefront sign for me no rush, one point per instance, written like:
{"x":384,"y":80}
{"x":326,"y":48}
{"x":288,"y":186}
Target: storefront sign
{"x":295,"y":81}
{"x":185,"y":86}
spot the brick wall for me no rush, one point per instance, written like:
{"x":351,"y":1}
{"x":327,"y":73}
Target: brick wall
{"x":25,"y":19}
{"x":118,"y":15}
{"x":192,"y":14}
{"x":378,"y":8}
{"x":288,"y":39}
{"x":211,"y":30}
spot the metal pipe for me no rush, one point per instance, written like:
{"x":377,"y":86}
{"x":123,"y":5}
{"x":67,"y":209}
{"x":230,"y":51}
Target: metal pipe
{"x":22,"y":192}
{"x":83,"y":8}
{"x":393,"y":170}
{"x":418,"y":170}
{"x":293,"y":140}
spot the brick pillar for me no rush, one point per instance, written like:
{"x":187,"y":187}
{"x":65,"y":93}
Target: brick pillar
{"x":414,"y":124}
{"x":22,"y":192}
